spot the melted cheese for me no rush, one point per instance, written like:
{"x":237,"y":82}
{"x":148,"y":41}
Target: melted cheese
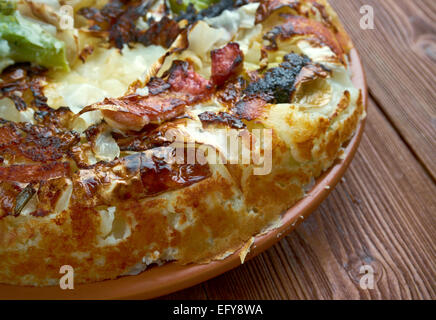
{"x":107,"y":73}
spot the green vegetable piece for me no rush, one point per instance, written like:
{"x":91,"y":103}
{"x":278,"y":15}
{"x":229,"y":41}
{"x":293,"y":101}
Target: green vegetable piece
{"x":178,"y":6}
{"x":27,"y":41}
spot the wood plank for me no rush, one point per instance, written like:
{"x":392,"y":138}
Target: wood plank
{"x":400,"y":61}
{"x":382,"y":214}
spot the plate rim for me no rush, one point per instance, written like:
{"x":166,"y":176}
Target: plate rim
{"x":171,"y":277}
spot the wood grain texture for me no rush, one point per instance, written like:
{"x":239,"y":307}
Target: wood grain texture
{"x":399,"y":55}
{"x":383,"y":212}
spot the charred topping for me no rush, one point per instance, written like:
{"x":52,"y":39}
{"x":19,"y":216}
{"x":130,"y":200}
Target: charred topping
{"x":162,"y":33}
{"x":157,"y":85}
{"x":39,"y":143}
{"x":93,"y":131}
{"x":54,"y":118}
{"x":42,"y":143}
{"x":22,"y":83}
{"x":152,"y":136}
{"x":225,"y":118}
{"x":146,"y":174}
{"x":192,"y":15}
{"x":277,"y":84}
{"x":18,"y":102}
{"x":116,"y":20}
{"x":9,"y":192}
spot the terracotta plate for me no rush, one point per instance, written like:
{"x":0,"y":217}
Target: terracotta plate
{"x":158,"y":281}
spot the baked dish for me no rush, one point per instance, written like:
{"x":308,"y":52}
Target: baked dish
{"x":119,"y":122}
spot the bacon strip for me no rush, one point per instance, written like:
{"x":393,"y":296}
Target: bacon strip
{"x":34,"y":172}
{"x":226,"y":62}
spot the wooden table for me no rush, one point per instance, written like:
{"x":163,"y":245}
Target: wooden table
{"x":383,"y":213}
